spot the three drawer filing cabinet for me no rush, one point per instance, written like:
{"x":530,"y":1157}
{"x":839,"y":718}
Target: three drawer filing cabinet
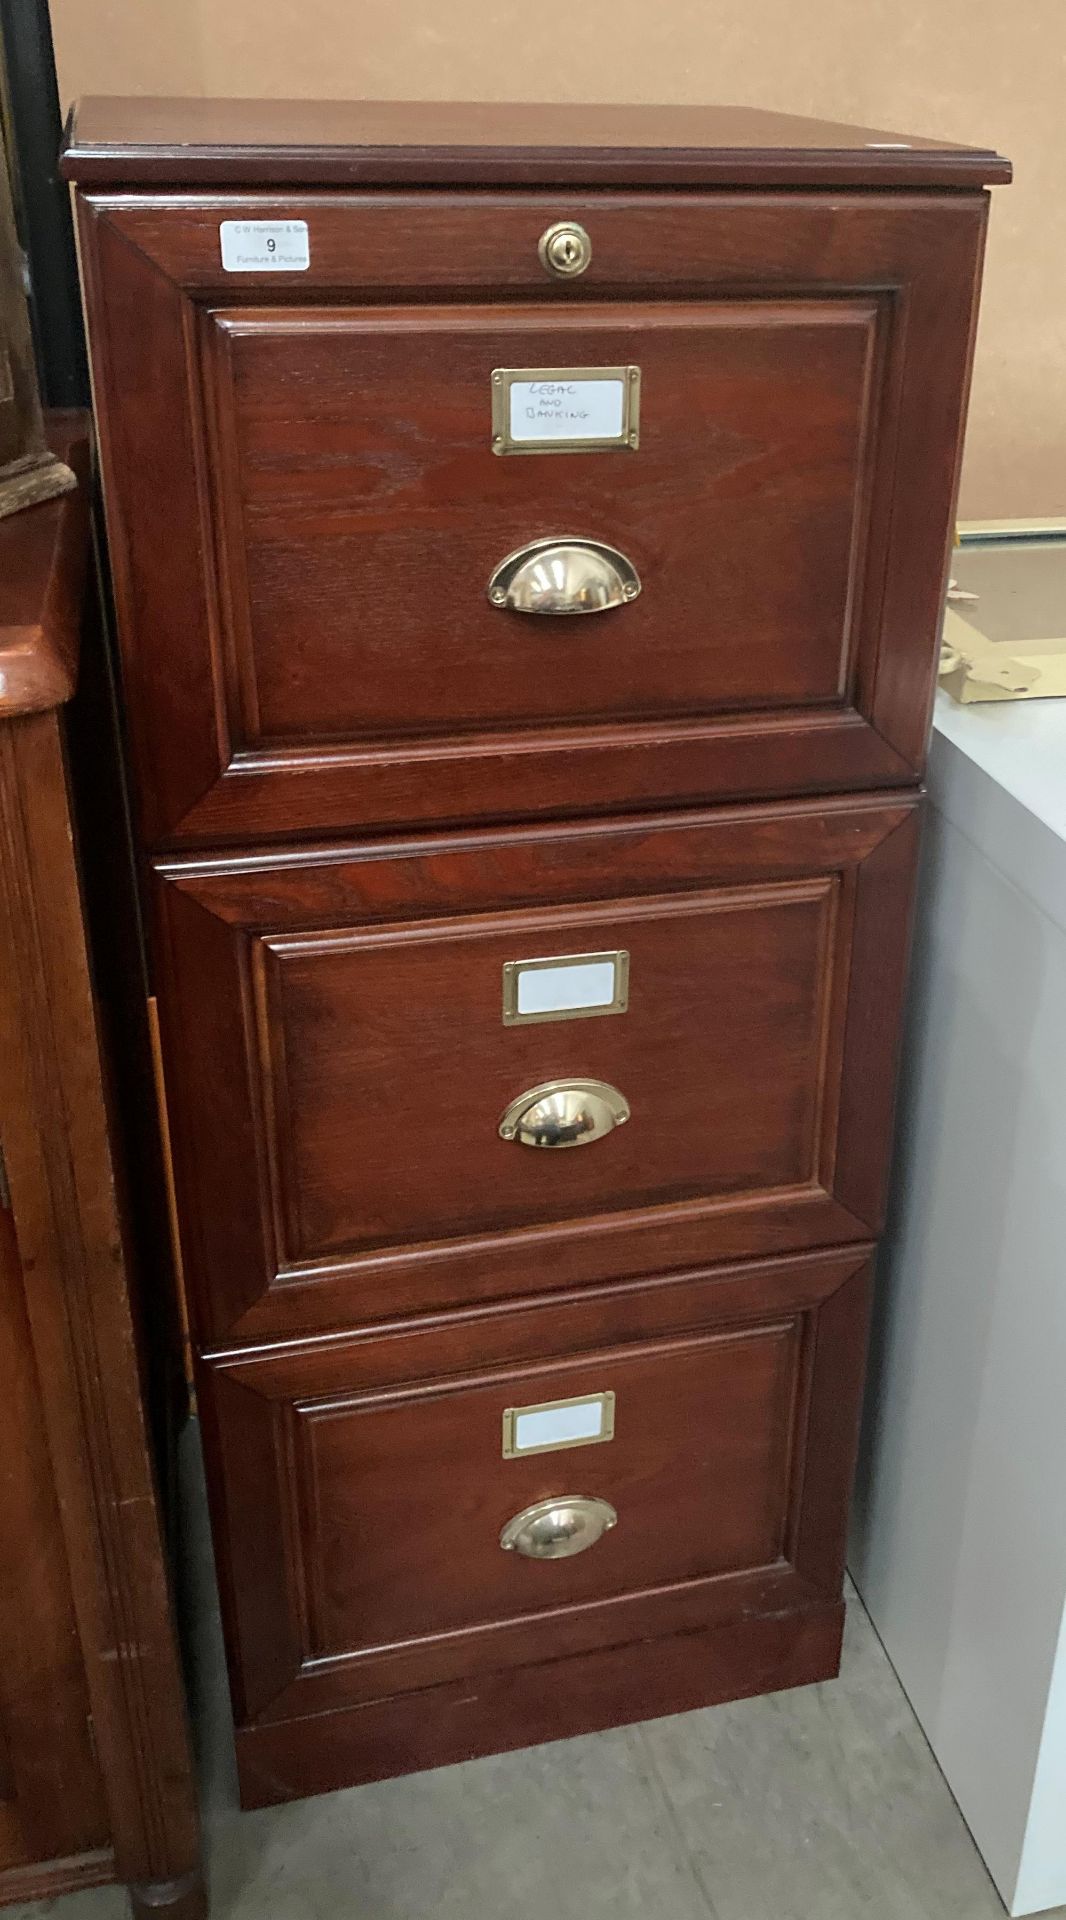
{"x":528,"y":529}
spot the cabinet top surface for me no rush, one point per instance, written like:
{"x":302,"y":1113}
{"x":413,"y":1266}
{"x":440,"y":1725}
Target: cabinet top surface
{"x":251,"y":143}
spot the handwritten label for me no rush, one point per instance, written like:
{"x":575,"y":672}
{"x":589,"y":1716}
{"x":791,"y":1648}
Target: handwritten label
{"x":567,"y":410}
{"x":265,"y":246}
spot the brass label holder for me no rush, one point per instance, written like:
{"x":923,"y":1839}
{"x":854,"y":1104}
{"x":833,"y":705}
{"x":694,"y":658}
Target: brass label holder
{"x":565,"y":409}
{"x":552,"y":1425}
{"x":568,"y":986}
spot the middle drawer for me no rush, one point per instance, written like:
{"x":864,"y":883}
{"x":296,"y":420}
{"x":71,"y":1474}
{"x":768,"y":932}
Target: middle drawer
{"x":406,"y":1076}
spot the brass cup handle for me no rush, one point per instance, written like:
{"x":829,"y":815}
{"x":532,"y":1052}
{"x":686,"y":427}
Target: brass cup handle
{"x":564,"y":575}
{"x":555,"y":1529}
{"x":564,"y":1113}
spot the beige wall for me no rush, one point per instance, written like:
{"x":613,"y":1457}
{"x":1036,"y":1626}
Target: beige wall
{"x":962,"y":69}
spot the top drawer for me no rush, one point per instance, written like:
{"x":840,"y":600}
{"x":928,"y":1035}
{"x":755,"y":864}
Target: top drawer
{"x":306,"y":503}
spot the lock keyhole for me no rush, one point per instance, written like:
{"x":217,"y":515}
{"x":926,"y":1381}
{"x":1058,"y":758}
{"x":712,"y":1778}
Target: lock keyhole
{"x":565,"y":249}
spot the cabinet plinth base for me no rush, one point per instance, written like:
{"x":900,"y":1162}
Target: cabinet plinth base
{"x":554,"y":1700}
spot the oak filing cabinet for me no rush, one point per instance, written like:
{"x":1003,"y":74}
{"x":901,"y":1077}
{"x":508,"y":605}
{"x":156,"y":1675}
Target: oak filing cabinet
{"x":528,"y":529}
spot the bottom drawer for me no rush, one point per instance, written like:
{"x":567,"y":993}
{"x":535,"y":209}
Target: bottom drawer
{"x":450,"y":1508}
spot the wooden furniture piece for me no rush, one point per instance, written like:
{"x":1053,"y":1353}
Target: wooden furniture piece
{"x":95,"y":1768}
{"x":375,"y":772}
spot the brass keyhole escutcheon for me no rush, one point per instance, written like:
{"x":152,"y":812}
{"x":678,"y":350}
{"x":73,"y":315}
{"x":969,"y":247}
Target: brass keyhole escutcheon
{"x":565,"y":249}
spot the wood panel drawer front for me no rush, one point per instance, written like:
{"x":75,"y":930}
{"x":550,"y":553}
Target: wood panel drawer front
{"x":307,"y":504}
{"x":362,"y":512}
{"x":367,"y":1486}
{"x":340,"y":1063}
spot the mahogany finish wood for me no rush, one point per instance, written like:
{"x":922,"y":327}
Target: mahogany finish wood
{"x":359,"y":550}
{"x":361,"y":789}
{"x":42,"y":586}
{"x":306,"y":641}
{"x":413,"y":143}
{"x":51,"y":1799}
{"x":365,"y":1485}
{"x":339,"y":1064}
{"x":523,"y":1705}
{"x":95,"y":1768}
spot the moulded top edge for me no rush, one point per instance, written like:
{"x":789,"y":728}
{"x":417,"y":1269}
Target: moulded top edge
{"x":201,"y":142}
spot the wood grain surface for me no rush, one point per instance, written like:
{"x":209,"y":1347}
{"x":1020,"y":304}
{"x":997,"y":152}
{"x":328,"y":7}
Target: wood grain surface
{"x":43,"y":552}
{"x":95,"y":1767}
{"x":339,"y":1063}
{"x":361,"y":791}
{"x":203,"y":142}
{"x":300,"y":578}
{"x":367,"y":1560}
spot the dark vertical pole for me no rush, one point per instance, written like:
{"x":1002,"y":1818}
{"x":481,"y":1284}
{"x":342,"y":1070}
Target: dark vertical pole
{"x":32,"y":131}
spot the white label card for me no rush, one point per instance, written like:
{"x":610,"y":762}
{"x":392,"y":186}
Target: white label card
{"x":558,"y":1423}
{"x":565,"y":988}
{"x":588,"y":983}
{"x":557,"y":1426}
{"x":265,"y":246}
{"x":567,"y":410}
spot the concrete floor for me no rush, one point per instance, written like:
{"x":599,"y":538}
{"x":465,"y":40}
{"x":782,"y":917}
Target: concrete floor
{"x":820,"y":1804}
